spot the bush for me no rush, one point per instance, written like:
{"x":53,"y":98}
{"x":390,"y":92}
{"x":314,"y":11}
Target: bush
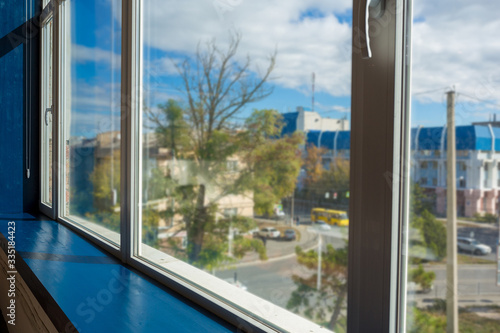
{"x":421,"y":277}
{"x":425,"y":321}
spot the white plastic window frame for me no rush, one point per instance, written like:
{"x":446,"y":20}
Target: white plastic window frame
{"x":98,"y":235}
{"x":379,"y":190}
{"x":45,"y":17}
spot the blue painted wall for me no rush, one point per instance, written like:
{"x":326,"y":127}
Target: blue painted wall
{"x":12,"y":102}
{"x":19,"y":59}
{"x":11,"y":132}
{"x":12,"y":15}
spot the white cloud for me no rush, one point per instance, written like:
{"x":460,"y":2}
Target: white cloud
{"x":83,"y":125}
{"x":95,"y":98}
{"x":305,"y":44}
{"x":84,"y":54}
{"x":331,"y":108}
{"x":455,"y":42}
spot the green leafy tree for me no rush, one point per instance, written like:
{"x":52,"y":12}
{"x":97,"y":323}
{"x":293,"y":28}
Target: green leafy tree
{"x":222,"y":156}
{"x":105,"y":179}
{"x":337,"y":177}
{"x":313,"y":165}
{"x":106,"y":183}
{"x":325,"y":304}
{"x":155,"y":184}
{"x":274,"y":163}
{"x":320,"y":181}
{"x":216,"y":89}
{"x":268,"y":167}
{"x":169,"y":122}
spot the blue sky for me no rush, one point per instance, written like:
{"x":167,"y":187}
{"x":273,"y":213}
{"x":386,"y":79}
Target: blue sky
{"x":309,"y":37}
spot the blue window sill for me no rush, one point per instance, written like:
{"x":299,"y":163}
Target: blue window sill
{"x":78,"y":284}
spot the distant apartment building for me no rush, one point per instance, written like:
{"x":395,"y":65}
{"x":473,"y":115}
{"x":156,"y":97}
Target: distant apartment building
{"x":330,"y":133}
{"x":477,"y":165}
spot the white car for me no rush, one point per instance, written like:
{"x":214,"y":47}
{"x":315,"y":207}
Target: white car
{"x":269,"y":232}
{"x":471,"y":245}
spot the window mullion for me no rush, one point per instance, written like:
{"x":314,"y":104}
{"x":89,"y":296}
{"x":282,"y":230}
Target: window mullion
{"x":127,"y":137}
{"x":375,"y":156}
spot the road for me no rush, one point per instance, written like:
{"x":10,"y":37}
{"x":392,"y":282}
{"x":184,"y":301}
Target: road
{"x":272,"y":279}
{"x":269,"y":280}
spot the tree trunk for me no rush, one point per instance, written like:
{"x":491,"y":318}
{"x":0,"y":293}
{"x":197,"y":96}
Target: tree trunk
{"x":197,"y":230}
{"x":338,"y":307}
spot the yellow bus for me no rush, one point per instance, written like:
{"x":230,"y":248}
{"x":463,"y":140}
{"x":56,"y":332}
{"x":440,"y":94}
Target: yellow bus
{"x":330,"y":216}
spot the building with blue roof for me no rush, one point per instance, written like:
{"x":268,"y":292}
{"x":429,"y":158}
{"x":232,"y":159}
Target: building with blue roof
{"x":478,"y":161}
{"x":478,"y":170}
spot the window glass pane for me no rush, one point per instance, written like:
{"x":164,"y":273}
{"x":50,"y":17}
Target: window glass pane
{"x":46,"y":113}
{"x":454,"y":71}
{"x":246,"y":145}
{"x":92,"y":115}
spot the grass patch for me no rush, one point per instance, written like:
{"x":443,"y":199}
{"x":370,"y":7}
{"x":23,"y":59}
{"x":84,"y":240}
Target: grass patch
{"x":470,"y":322}
{"x":433,"y":319}
{"x":468,"y":260}
{"x":463,"y":222}
{"x":463,"y":259}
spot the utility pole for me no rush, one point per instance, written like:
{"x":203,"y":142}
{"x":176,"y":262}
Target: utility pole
{"x":318,"y":281}
{"x":451,"y":227}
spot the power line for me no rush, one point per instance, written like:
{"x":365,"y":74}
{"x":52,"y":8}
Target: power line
{"x":480,"y":100}
{"x":430,"y":91}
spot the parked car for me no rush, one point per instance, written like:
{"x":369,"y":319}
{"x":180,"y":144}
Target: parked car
{"x":290,"y":234}
{"x":471,"y":245}
{"x":321,"y":225}
{"x":269,"y":232}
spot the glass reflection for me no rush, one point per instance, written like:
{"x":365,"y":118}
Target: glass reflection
{"x":245,"y":146}
{"x":453,"y":61}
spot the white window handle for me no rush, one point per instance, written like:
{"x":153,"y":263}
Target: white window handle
{"x":47,"y":110}
{"x":377,"y":7}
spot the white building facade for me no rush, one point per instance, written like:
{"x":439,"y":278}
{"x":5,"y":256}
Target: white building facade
{"x":477,"y":165}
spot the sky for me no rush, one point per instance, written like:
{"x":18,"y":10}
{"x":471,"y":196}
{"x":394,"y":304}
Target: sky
{"x":455,"y":45}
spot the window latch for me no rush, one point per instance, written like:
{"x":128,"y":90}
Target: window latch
{"x":47,"y":110}
{"x":375,"y":9}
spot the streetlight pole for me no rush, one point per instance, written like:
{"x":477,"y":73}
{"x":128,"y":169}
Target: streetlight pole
{"x":451,"y":213}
